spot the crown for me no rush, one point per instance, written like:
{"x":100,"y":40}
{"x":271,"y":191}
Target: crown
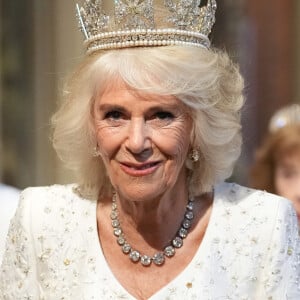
{"x":134,"y":23}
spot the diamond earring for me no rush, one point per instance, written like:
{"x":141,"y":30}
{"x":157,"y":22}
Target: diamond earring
{"x":194,"y":155}
{"x":96,"y":152}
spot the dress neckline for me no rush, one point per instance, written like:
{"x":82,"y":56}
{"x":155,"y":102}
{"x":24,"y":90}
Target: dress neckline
{"x":202,"y":249}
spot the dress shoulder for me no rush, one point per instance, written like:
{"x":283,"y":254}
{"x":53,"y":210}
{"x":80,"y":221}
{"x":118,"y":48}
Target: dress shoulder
{"x":54,"y":193}
{"x":265,"y":227}
{"x":56,"y":199}
{"x":232,"y":194}
{"x":49,"y":231}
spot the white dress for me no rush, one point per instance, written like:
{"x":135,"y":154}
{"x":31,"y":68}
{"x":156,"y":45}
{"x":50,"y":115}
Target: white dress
{"x":250,"y":250}
{"x":9,"y":198}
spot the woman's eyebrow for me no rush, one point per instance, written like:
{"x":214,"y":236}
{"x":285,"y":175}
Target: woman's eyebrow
{"x":163,"y":107}
{"x":106,"y":107}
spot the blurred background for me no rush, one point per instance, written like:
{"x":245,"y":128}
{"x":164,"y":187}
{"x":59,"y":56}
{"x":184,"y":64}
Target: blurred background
{"x":40,"y":44}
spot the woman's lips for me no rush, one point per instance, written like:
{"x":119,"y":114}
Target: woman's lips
{"x":139,"y":169}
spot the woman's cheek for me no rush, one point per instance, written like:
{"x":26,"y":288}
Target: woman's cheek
{"x":177,"y":139}
{"x":103,"y":138}
{"x":109,"y":139}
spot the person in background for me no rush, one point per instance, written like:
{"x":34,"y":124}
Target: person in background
{"x":9,"y":198}
{"x":151,"y":125}
{"x":276,"y":168}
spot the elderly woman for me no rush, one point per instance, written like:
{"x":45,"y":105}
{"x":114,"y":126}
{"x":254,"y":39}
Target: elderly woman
{"x":277,"y":161}
{"x":151,"y":125}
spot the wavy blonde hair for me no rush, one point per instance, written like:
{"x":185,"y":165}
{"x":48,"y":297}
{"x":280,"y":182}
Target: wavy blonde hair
{"x":207,"y":81}
{"x":276,"y":146}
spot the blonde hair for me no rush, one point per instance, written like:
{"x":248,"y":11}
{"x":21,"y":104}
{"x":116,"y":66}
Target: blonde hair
{"x":282,"y":140}
{"x":277,"y":145}
{"x":207,"y":81}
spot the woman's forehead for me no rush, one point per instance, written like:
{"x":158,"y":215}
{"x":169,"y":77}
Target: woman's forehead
{"x":120,"y":92}
{"x":289,"y":156}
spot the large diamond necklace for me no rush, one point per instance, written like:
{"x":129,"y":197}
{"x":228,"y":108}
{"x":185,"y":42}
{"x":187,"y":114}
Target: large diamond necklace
{"x":159,"y":257}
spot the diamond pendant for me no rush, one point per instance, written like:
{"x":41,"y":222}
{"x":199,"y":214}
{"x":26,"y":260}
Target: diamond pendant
{"x":182,"y":232}
{"x":169,"y":251}
{"x":159,"y":258}
{"x":126,"y":248}
{"x":177,"y":242}
{"x":134,"y":256}
{"x":146,"y":260}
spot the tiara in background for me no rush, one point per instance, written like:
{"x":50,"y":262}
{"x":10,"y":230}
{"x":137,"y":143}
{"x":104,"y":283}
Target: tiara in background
{"x":134,"y":23}
{"x":287,"y":115}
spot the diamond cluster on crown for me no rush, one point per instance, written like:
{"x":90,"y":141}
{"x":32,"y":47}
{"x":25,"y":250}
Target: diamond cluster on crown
{"x":133,"y":23}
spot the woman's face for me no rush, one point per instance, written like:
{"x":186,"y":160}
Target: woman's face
{"x":287,"y":178}
{"x":143,"y":139}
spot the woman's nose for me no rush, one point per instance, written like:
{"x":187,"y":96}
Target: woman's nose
{"x":138,"y":139}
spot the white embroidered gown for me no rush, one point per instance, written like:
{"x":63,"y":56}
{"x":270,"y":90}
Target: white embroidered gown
{"x":251,"y":250}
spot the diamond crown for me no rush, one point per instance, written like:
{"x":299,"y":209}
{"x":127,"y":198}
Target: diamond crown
{"x":133,"y":23}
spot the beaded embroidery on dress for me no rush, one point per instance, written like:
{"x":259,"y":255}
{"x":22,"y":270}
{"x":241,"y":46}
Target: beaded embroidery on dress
{"x":251,"y":250}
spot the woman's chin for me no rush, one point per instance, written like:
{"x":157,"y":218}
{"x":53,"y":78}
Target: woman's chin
{"x":140,"y":193}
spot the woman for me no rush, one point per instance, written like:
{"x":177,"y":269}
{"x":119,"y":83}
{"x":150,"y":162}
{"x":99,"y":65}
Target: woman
{"x":277,"y":161}
{"x":151,"y":125}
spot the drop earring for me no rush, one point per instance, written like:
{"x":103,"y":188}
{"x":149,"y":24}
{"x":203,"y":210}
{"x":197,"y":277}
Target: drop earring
{"x":194,"y":155}
{"x":96,"y":152}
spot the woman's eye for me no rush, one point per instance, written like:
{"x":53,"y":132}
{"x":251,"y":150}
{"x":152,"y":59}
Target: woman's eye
{"x":114,"y":114}
{"x":163,"y":115}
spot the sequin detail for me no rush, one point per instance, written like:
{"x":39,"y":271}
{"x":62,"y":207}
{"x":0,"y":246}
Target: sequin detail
{"x":57,"y":249}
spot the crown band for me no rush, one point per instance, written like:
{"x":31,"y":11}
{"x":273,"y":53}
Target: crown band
{"x":149,"y":37}
{"x":133,"y":24}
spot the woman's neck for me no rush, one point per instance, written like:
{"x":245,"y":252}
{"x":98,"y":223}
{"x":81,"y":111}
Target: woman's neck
{"x":155,"y":221}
